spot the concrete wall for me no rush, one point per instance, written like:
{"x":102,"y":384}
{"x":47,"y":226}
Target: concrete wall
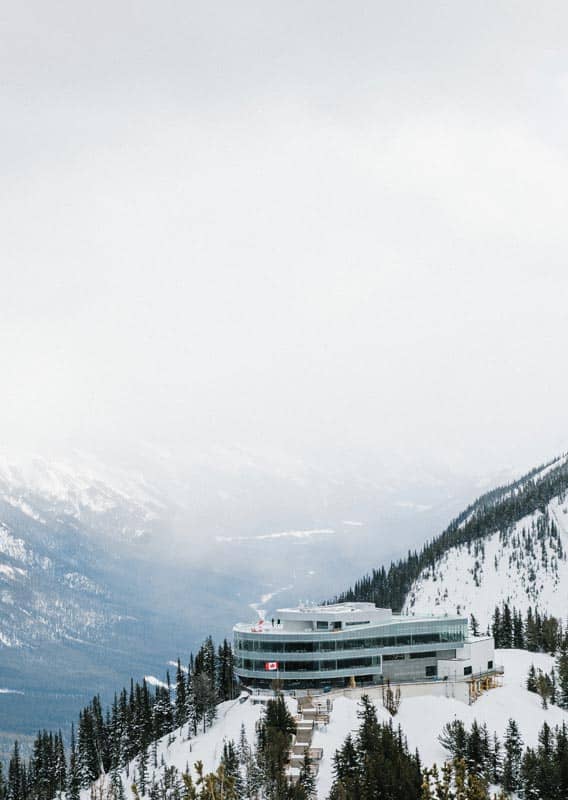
{"x":458,"y":691}
{"x":343,"y":613}
{"x":480,"y":652}
{"x":476,"y":654}
{"x":453,"y":669}
{"x":408,"y":669}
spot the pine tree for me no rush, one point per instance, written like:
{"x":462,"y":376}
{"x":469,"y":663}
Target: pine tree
{"x":306,"y":780}
{"x":142,"y":763}
{"x":496,"y":627}
{"x":496,"y":761}
{"x":3,"y":788}
{"x":391,"y":700}
{"x":473,"y":625}
{"x":191,"y":708}
{"x":382,"y":767}
{"x":562,"y":670}
{"x":117,"y":788}
{"x":544,"y":687}
{"x":88,"y":760}
{"x":230,"y":763}
{"x":206,"y":662}
{"x":506,"y":627}
{"x":225,"y":672}
{"x":273,"y":745}
{"x":16,"y":778}
{"x":73,"y":776}
{"x":513,"y":751}
{"x":518,"y":631}
{"x":204,"y":698}
{"x":475,"y":755}
{"x":529,"y":775}
{"x":181,"y":700}
{"x":532,"y":632}
{"x":346,"y":768}
{"x":60,"y":766}
{"x":454,"y":738}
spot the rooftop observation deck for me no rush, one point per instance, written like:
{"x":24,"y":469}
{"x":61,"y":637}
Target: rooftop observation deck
{"x":337,"y":618}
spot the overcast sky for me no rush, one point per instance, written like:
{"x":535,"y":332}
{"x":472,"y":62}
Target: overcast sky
{"x":286,"y":224}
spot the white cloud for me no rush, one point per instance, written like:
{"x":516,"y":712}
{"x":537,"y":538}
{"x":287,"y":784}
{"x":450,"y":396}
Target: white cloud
{"x":341,"y":228}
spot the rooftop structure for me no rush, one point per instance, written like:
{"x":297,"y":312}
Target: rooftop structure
{"x":352,"y":643}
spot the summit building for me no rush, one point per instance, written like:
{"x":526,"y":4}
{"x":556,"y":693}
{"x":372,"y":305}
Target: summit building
{"x":357,"y":644}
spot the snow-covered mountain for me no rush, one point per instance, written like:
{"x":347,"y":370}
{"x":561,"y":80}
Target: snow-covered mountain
{"x":118,"y":503}
{"x":514,"y":557}
{"x":59,"y":529}
{"x":84,"y":602}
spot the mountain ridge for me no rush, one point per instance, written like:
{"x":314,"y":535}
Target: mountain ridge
{"x":525,"y":513}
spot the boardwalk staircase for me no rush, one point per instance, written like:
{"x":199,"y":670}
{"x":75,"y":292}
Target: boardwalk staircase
{"x":310,"y":716}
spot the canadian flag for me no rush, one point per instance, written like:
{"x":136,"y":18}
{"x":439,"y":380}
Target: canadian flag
{"x":271,"y":666}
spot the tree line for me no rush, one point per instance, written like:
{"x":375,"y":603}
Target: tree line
{"x":106,"y":741}
{"x":247,"y":771}
{"x":533,"y":773}
{"x":533,"y":631}
{"x":552,"y":687}
{"x":376,"y":764}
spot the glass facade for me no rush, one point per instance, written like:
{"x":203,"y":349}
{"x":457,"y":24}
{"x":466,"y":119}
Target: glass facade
{"x":405,"y":650}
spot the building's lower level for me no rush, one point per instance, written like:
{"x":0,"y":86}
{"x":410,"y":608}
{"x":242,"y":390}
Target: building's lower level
{"x":351,"y":644}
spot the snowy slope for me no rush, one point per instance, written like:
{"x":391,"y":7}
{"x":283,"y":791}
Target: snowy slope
{"x":524,"y":564}
{"x":182,"y":753}
{"x":112,"y":501}
{"x":421,"y":718}
{"x":513,"y":566}
{"x":474,"y":579}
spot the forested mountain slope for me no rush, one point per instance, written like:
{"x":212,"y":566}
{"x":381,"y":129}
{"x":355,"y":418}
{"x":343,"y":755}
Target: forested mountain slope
{"x":510,"y":545}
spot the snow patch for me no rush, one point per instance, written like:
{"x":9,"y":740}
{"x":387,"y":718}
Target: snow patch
{"x":279,"y":535}
{"x":12,"y":572}
{"x":151,"y":680}
{"x":521,"y":566}
{"x":413,"y":506}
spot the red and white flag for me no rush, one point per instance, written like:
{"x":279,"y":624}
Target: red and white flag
{"x":271,"y":666}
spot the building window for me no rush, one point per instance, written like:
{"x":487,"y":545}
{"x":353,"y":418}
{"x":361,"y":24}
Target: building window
{"x":431,"y":672}
{"x":394,"y":657}
{"x":300,"y":666}
{"x":423,"y":655}
{"x":490,"y":665}
{"x":467,"y":670}
{"x":354,"y":663}
{"x":300,"y":647}
{"x":322,"y":626}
